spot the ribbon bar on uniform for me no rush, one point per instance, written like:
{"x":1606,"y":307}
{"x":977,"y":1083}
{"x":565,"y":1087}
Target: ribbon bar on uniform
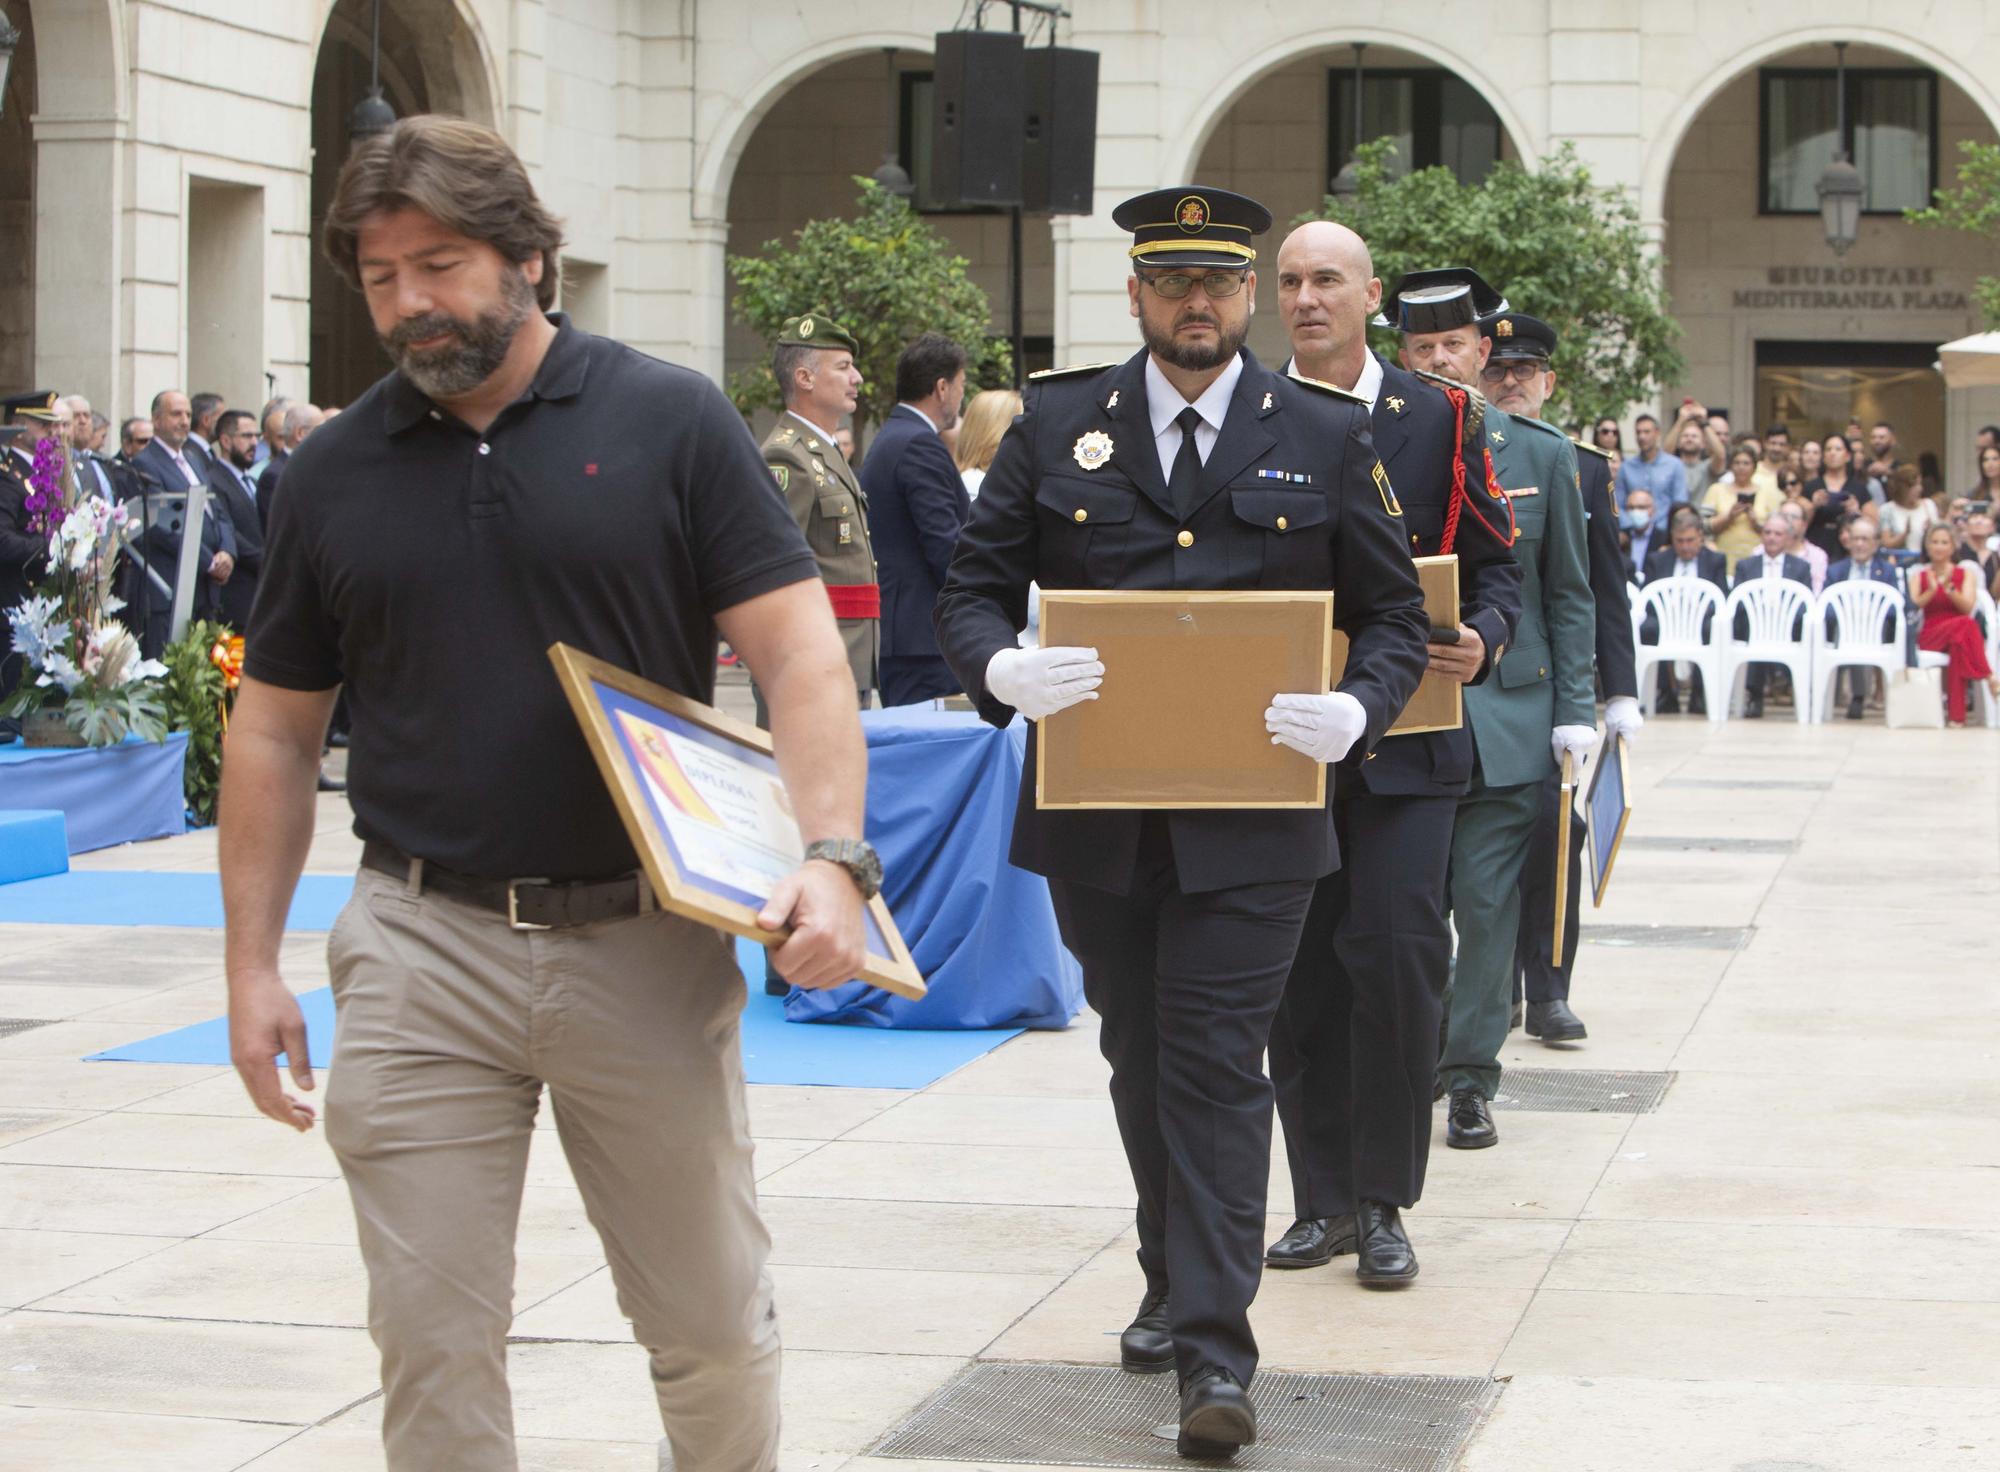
{"x":855,"y":600}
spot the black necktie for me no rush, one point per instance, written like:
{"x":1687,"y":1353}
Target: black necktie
{"x":1184,"y":485}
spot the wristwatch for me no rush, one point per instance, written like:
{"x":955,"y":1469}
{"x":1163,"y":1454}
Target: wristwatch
{"x":857,"y":856}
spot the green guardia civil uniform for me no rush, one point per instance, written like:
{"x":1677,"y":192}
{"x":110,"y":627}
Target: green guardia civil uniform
{"x":826,"y":501}
{"x":1542,"y":681}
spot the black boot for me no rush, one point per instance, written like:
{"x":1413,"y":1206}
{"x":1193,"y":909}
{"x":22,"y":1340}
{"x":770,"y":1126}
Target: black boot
{"x":1468,"y":1124}
{"x":1387,"y":1260}
{"x":1553,"y":1022}
{"x":1216,"y":1416}
{"x":1147,"y":1345}
{"x":1312,"y":1242}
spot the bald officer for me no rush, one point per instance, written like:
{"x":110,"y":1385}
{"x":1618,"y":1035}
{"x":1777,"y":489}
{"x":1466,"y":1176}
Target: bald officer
{"x":1538,"y":707}
{"x":1190,"y":465}
{"x":813,"y":362}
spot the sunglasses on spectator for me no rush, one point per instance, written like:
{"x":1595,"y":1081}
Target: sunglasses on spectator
{"x":1176,"y":284}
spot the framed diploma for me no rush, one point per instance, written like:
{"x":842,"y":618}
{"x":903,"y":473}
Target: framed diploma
{"x":1179,"y":721}
{"x":1439,"y":704}
{"x":1608,"y":806}
{"x":701,"y":799}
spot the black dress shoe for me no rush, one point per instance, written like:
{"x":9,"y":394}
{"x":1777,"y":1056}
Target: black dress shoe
{"x":1312,"y":1242}
{"x":331,"y":784}
{"x":1468,"y":1124}
{"x":1753,"y":708}
{"x":336,"y":738}
{"x":1854,"y":709}
{"x":1698,"y":705}
{"x":1147,"y":1345}
{"x":1386,"y":1258}
{"x":1553,"y":1022}
{"x":1514,"y":1018}
{"x":1667,"y":705}
{"x":1216,"y":1415}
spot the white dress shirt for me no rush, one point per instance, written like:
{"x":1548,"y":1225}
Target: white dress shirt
{"x":1774,"y":567}
{"x":1861,"y":572}
{"x":1689,"y":569}
{"x":1367,"y":386}
{"x":1165,"y":403}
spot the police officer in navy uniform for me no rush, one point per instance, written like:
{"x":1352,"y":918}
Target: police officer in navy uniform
{"x":1518,"y":379}
{"x":1354,"y":1052}
{"x":1190,"y":465}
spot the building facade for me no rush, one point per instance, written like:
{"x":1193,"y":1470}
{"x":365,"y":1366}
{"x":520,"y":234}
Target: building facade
{"x":163,"y":166}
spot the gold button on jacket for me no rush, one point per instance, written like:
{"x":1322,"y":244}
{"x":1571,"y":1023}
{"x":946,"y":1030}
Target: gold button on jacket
{"x":1186,"y":539}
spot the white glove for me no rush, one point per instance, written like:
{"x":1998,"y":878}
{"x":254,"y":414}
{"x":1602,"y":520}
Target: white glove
{"x":1576,"y":740}
{"x":1621,"y":717}
{"x":1040,"y":682}
{"x":1323,"y":727}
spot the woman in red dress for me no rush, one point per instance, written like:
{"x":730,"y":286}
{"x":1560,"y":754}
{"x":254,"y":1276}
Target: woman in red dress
{"x":1947,"y":591}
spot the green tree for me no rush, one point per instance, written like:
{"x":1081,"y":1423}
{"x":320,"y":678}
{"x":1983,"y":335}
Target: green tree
{"x":1974,"y":207}
{"x":1553,"y":243}
{"x":887,"y":277}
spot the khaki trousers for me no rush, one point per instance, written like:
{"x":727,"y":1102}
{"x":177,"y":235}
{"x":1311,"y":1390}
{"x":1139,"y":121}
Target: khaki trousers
{"x":449,"y":1025}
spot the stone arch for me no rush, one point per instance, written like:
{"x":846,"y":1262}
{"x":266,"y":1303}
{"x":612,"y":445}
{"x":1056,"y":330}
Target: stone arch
{"x":715,"y":165}
{"x":1667,"y":139}
{"x":444,"y":38}
{"x":1183,"y":151}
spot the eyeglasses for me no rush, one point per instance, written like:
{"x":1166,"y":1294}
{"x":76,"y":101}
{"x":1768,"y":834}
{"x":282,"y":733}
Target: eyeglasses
{"x":1516,"y":371}
{"x":1176,"y":284}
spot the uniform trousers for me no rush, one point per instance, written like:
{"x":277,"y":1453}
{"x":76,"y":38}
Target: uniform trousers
{"x":1355,"y":1049}
{"x":450,"y":1024}
{"x":1489,"y":847}
{"x":910,"y":679}
{"x":1542,"y":981}
{"x":1186,"y":986}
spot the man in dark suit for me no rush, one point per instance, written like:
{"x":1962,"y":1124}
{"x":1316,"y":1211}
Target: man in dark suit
{"x":1519,"y":380}
{"x":1639,"y":534}
{"x":1862,"y":563}
{"x":1685,"y":556}
{"x":916,"y":507}
{"x":1188,"y":466}
{"x":1354,"y":1050}
{"x":1773,"y":562}
{"x":170,"y":460}
{"x":231,"y":485}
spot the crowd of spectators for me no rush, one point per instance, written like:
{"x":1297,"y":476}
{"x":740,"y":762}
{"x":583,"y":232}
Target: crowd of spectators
{"x":1702,"y":501}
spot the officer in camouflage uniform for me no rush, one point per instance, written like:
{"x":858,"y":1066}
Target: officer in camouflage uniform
{"x":813,"y":362}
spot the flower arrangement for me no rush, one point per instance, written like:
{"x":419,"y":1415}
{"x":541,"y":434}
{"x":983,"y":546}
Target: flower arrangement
{"x":204,"y":668}
{"x":80,"y":662}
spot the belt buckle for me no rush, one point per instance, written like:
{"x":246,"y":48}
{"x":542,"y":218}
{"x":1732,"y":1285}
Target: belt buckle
{"x":514,"y":920}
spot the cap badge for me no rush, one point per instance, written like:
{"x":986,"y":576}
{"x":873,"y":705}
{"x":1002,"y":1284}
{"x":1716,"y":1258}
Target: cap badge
{"x":1112,"y":402}
{"x":1093,"y":450}
{"x":805,"y":327}
{"x":1395,"y":404}
{"x":1191,"y":214}
{"x":1504,"y":327}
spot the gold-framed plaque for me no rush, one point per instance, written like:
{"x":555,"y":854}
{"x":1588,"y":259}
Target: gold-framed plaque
{"x":1607,"y":807}
{"x":1179,"y":720}
{"x":1565,"y":815}
{"x":703,"y":803}
{"x":1439,"y":701}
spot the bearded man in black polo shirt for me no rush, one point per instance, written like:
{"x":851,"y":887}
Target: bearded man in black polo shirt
{"x":480,"y":503}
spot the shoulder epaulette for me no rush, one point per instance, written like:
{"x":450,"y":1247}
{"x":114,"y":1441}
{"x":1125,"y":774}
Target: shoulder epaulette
{"x":1329,"y":388}
{"x":1543,"y":425}
{"x":1606,"y":454}
{"x":1071,"y":371}
{"x":1443,"y":382}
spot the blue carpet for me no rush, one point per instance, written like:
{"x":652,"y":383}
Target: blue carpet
{"x":774,"y":1051}
{"x":136,"y":897}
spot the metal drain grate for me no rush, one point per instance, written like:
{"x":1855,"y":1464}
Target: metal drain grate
{"x":11,"y":1025}
{"x":1582,"y":1090}
{"x":1669,"y":937}
{"x":1735,"y":784}
{"x":1714,"y":845}
{"x":1097,"y":1416}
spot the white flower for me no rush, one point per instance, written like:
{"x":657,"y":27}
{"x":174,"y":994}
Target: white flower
{"x":60,"y":669}
{"x":37,"y":630}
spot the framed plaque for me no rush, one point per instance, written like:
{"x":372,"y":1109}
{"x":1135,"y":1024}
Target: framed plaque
{"x":1608,"y":808}
{"x":1179,"y":721}
{"x":701,"y":799}
{"x":1439,"y":704}
{"x":1565,"y":815}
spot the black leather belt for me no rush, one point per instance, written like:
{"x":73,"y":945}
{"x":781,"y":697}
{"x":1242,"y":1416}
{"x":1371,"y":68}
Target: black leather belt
{"x":528,"y":904}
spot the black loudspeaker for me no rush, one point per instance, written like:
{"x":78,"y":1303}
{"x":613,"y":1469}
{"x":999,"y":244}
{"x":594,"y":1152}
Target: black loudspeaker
{"x":1059,"y":161}
{"x":976,"y":105}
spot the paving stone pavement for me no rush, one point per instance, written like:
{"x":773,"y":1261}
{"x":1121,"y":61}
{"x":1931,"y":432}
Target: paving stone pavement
{"x":1792,"y":1264}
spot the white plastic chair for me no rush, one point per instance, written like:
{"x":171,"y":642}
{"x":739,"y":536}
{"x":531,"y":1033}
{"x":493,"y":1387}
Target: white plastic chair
{"x":1683,"y":609}
{"x":1777,"y":612}
{"x":1859,"y":612}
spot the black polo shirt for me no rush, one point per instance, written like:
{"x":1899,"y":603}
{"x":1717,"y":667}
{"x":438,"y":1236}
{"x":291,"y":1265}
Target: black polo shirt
{"x":618,"y":506}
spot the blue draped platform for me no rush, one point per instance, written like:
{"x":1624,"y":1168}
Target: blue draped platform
{"x":941,"y":789}
{"x":107,"y":794}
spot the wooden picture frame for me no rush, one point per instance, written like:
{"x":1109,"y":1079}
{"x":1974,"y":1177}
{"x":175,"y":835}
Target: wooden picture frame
{"x":1439,"y":702}
{"x":1179,"y":721}
{"x":701,"y":799}
{"x":1607,"y":809}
